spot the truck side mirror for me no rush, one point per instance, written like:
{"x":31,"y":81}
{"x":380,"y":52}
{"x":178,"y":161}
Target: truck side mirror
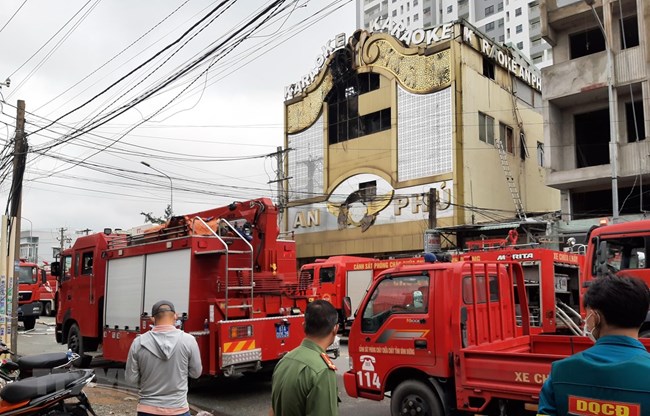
{"x":55,"y":269}
{"x":601,"y":258}
{"x":43,"y":277}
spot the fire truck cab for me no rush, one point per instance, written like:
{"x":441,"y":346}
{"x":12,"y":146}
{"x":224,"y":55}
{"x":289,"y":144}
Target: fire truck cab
{"x":343,"y":280}
{"x":30,"y":280}
{"x":620,"y":248}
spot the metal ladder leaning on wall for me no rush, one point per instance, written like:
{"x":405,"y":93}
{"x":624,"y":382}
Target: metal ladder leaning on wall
{"x":514,"y":192}
{"x":226,"y":251}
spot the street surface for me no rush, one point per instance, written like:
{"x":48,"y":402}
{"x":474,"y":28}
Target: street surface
{"x":235,"y":396}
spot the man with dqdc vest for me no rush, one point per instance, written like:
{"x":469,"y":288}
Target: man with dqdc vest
{"x":613,"y":376}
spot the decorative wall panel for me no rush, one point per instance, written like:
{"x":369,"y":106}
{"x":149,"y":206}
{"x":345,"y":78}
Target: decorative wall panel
{"x":305,"y":162}
{"x":424,"y":134}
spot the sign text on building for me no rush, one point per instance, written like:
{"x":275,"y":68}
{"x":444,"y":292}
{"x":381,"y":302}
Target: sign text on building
{"x":415,"y":37}
{"x":327,"y":50}
{"x":503,"y":58}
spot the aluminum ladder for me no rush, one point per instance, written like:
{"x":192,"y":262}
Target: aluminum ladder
{"x":514,"y":192}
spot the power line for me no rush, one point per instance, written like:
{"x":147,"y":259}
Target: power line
{"x":12,"y":16}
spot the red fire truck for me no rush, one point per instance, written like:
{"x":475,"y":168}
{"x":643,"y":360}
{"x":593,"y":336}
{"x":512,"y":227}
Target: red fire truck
{"x":444,"y":338}
{"x":552,"y":281}
{"x":30,"y":281}
{"x":624,"y":248}
{"x":343,"y":280}
{"x":233,"y":282}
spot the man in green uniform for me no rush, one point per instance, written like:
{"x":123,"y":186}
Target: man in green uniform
{"x":304,"y":381}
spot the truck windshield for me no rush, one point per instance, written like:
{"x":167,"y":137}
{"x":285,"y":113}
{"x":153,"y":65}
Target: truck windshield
{"x":404,"y":294}
{"x":27,"y":274}
{"x":622,"y":254}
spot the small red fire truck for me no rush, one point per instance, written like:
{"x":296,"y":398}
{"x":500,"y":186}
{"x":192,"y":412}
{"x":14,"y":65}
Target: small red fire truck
{"x":31,"y":283}
{"x":343,"y":280}
{"x":233,"y":282}
{"x":444,"y":338}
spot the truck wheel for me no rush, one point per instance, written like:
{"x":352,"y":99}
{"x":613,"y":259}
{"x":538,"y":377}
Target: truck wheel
{"x":413,"y":397}
{"x":644,"y":333}
{"x":47,"y":309}
{"x":29,"y":322}
{"x":76,"y":345}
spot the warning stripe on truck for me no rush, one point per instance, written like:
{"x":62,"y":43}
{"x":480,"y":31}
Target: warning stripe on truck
{"x":238,"y":346}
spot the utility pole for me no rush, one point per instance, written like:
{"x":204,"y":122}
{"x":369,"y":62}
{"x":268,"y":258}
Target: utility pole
{"x":62,"y":239}
{"x":431,"y":236}
{"x":279,"y":176}
{"x":84,"y":231}
{"x":433,"y":208}
{"x":19,"y":162}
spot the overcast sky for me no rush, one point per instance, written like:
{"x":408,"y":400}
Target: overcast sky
{"x":234,"y":111}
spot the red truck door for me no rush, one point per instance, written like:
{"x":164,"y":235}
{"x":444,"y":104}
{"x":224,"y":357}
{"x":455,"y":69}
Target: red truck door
{"x":396,"y":327}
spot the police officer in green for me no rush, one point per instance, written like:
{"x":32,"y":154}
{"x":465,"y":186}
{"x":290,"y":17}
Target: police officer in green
{"x":304,"y":381}
{"x":610,"y":378}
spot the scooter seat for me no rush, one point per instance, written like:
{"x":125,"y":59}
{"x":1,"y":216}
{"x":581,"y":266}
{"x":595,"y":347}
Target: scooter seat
{"x":48,"y":360}
{"x":33,"y":387}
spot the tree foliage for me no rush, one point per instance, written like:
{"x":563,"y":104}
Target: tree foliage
{"x":150,"y":218}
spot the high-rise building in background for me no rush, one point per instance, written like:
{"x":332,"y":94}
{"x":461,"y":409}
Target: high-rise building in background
{"x":514,"y":22}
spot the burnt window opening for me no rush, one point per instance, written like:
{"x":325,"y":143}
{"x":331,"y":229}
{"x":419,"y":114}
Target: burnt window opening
{"x":343,"y":121}
{"x":488,"y":68}
{"x":592,"y":138}
{"x":629,"y":32}
{"x":507,"y":137}
{"x":540,"y":154}
{"x":586,"y":43}
{"x":599,"y":203}
{"x":368,"y":190}
{"x":634,"y":111}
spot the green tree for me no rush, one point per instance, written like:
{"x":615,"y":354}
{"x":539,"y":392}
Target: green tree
{"x":149,"y":217}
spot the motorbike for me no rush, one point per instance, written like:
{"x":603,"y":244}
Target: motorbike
{"x":30,"y":365}
{"x":48,"y":395}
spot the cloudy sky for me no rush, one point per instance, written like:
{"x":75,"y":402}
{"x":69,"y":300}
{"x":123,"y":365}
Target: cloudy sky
{"x":207,"y":127}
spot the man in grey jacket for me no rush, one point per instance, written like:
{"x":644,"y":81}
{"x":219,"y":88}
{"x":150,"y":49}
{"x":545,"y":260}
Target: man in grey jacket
{"x":160,"y":362}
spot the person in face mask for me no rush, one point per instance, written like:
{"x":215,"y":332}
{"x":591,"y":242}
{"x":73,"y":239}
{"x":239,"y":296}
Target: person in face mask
{"x":612,"y":376}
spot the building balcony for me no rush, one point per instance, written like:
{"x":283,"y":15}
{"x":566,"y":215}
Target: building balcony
{"x":535,"y":30}
{"x":463,"y":9}
{"x":538,"y":48}
{"x":577,"y":178}
{"x":630,"y":65}
{"x":575,"y":76}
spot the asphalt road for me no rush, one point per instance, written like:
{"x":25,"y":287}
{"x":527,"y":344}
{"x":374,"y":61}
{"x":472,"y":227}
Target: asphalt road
{"x":235,"y":396}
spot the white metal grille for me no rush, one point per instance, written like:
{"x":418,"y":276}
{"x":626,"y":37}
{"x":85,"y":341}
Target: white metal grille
{"x":306,"y":162}
{"x":424,"y":128}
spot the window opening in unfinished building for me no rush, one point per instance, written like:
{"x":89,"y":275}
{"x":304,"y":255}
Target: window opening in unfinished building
{"x":592,"y":138}
{"x":586,"y":42}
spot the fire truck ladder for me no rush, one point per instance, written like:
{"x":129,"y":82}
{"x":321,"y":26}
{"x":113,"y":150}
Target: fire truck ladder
{"x":514,"y":192}
{"x":226,"y":241}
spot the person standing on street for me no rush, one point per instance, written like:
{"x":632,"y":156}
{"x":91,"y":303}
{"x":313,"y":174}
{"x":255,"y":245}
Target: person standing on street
{"x":160,"y":362}
{"x":304,"y":381}
{"x":613,"y":374}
